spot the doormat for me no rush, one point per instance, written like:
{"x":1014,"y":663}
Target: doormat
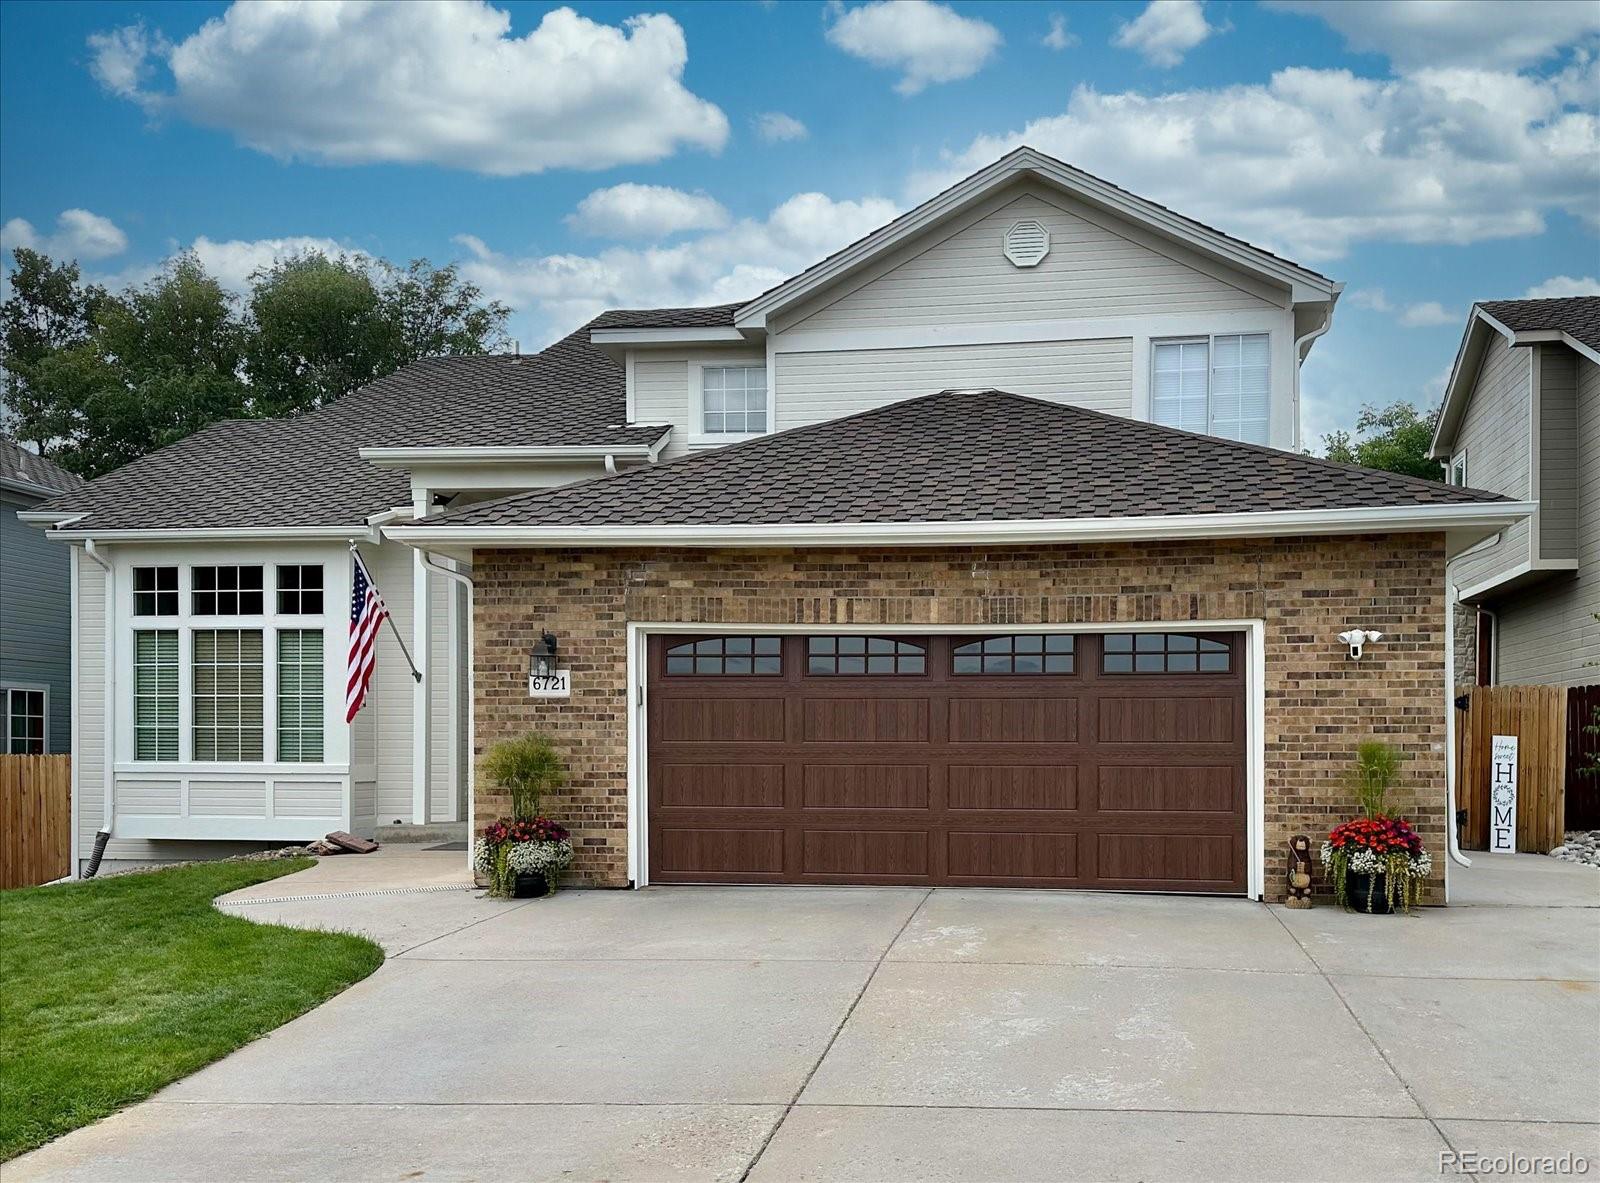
{"x":447,"y":846}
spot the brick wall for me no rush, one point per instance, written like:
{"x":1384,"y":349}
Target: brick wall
{"x":1319,"y":703}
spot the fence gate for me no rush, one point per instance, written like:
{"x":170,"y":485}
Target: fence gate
{"x":35,"y":819}
{"x":1583,"y":758}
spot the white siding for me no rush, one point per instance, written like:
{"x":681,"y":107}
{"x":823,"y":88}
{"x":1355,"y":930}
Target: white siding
{"x":390,"y":698}
{"x":812,"y":387}
{"x":661,"y":390}
{"x":1091,"y":271}
{"x":1548,"y":634}
{"x":1495,"y":431}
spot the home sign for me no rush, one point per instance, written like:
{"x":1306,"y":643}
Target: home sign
{"x":1503,"y":794}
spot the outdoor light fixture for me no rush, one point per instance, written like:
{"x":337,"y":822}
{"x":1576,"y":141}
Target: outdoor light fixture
{"x":542,"y":661}
{"x":1356,"y":638}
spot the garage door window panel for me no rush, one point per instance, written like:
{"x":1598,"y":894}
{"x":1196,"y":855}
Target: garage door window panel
{"x":864,"y":656}
{"x":1166,"y":653}
{"x":717,"y":657}
{"x":1028,"y":653}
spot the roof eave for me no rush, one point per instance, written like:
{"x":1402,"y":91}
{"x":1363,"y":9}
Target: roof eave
{"x":1305,"y":286}
{"x":67,"y":533}
{"x":406,"y":457}
{"x":1466,"y":523}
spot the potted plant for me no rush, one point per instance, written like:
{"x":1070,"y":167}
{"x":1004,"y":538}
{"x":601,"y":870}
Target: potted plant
{"x":522,"y":857}
{"x":1377,"y":862}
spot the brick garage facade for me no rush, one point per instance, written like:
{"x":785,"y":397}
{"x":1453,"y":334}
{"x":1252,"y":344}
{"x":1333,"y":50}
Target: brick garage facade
{"x":1319,"y":704}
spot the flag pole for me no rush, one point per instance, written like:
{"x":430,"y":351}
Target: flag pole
{"x":416,"y":674}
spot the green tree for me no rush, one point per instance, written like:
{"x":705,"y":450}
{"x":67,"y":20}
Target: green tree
{"x":321,"y":327}
{"x":49,"y":309}
{"x":1395,"y":439}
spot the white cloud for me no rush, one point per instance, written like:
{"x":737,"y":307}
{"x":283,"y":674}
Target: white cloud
{"x":1427,"y":315}
{"x":1563,"y":285}
{"x":645,"y":211}
{"x":79,"y":235}
{"x":1455,"y":32}
{"x":1165,"y":31}
{"x":352,"y":82}
{"x":1059,"y":37}
{"x":927,"y":42}
{"x":555,"y":293}
{"x":775,"y":127}
{"x":1314,"y":161}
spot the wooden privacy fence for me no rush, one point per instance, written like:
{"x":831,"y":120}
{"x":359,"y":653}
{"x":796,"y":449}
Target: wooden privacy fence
{"x":1537,"y":716}
{"x":35,"y":819}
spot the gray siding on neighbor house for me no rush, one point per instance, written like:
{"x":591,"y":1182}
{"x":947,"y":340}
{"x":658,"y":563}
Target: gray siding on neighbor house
{"x":1558,"y":452}
{"x":1548,"y":634}
{"x":1495,"y":432}
{"x":36,"y":616}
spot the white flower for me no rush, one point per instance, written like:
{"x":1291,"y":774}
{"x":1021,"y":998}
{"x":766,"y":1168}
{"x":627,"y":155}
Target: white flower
{"x":530,"y":858}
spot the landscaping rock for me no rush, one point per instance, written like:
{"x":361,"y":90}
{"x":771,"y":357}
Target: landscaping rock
{"x":1581,"y":846}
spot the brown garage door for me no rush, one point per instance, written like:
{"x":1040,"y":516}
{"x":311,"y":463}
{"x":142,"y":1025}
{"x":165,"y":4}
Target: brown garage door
{"x":1108,"y":761}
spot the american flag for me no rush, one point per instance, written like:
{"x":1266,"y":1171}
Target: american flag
{"x":367,"y":614}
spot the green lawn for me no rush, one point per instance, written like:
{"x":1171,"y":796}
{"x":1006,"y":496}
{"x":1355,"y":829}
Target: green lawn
{"x":113,"y":988}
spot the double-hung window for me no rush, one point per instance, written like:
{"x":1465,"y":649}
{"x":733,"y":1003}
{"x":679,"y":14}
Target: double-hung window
{"x":1219,"y":385}
{"x":733,"y":401}
{"x":26,"y":719}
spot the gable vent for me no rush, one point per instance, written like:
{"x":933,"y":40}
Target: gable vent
{"x":1027,"y":243}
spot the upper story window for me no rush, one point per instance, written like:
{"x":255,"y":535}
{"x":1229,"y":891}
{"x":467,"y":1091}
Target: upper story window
{"x":300,"y":590}
{"x":1220,"y":385}
{"x":733,"y":400}
{"x":155,"y":591}
{"x":227,"y":591}
{"x":1456,"y":473}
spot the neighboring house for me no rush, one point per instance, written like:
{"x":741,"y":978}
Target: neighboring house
{"x":1521,"y":417}
{"x":824,"y":623}
{"x":35,"y":610}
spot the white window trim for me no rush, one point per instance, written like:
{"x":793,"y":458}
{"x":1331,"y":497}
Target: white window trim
{"x":1209,"y":340}
{"x":335,"y":595}
{"x":1457,"y":459}
{"x":31,"y":687}
{"x":698,"y":436}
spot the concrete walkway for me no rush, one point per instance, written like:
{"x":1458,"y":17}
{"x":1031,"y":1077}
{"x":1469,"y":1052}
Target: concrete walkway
{"x":896,"y":1034}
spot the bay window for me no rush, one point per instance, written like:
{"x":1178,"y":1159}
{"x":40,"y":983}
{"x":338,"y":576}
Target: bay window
{"x":236,"y":673}
{"x":1219,"y":385}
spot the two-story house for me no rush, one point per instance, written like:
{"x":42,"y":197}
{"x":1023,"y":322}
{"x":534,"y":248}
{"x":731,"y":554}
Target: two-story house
{"x":35,"y":624}
{"x":981,"y":552}
{"x":1521,"y":416}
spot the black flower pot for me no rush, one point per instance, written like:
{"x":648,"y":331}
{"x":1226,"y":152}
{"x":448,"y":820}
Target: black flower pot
{"x":1367,"y":893}
{"x":530,"y":886}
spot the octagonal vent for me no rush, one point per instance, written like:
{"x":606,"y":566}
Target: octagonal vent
{"x":1027,"y":243}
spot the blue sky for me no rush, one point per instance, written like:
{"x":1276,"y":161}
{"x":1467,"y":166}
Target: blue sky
{"x":641,"y":154}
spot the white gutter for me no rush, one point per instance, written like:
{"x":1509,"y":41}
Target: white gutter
{"x":432,"y":564}
{"x":407,"y":457}
{"x":1489,"y":515}
{"x":1302,"y":346}
{"x":1452,"y":839}
{"x":108,"y":819}
{"x":210,"y":533}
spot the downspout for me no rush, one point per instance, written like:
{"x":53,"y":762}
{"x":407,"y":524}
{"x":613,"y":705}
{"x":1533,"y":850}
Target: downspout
{"x":1302,"y":346}
{"x":611,"y":464}
{"x":109,"y":792}
{"x":1452,"y":838}
{"x":432,"y":564}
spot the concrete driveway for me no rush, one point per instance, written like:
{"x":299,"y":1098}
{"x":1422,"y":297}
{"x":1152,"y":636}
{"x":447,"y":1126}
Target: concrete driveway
{"x":895,"y":1034}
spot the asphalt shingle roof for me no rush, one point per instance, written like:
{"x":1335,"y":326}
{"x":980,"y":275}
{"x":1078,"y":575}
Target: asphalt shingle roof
{"x":307,"y":471}
{"x":20,"y":466}
{"x":715,"y":316}
{"x":963,"y":456}
{"x":1577,"y":316}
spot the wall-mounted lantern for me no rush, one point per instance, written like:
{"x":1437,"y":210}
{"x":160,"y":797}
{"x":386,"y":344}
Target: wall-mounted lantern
{"x":542,"y":660}
{"x":545,"y":678}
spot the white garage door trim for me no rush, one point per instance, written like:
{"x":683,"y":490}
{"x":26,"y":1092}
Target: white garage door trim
{"x":1255,"y":709}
